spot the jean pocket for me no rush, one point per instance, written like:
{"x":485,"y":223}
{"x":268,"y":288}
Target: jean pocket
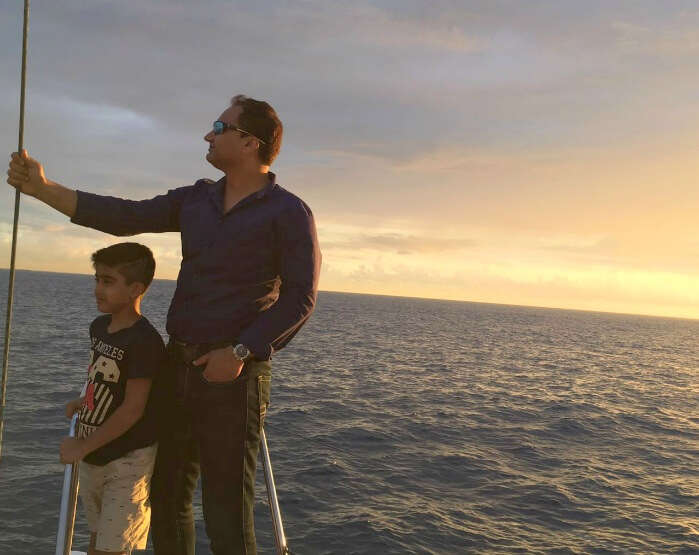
{"x":227,"y":383}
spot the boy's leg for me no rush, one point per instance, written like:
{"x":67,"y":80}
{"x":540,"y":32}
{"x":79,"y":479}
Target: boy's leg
{"x":92,"y":550}
{"x":176,"y":467}
{"x":125,"y":514}
{"x":91,"y":488}
{"x":227,"y":428}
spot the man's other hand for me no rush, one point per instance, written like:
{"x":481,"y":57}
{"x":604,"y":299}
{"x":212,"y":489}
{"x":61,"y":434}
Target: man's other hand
{"x":221,"y":365}
{"x":26,"y":174}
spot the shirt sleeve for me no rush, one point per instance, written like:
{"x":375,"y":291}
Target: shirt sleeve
{"x":121,"y":217}
{"x":300,"y":260}
{"x":146,"y":357}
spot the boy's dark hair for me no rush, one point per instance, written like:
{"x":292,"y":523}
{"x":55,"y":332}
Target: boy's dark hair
{"x":132,"y":260}
{"x":260,"y":119}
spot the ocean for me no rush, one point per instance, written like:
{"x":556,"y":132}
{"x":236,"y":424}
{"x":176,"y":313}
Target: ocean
{"x":402,"y":426}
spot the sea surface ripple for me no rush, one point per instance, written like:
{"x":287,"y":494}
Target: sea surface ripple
{"x":413,"y":426}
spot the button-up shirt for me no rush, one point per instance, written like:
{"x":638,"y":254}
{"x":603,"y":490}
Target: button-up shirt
{"x":248,"y":276}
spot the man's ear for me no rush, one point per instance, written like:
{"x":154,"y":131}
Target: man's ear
{"x":252,"y":143}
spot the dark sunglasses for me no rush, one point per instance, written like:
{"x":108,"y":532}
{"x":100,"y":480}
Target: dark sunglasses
{"x":221,"y":126}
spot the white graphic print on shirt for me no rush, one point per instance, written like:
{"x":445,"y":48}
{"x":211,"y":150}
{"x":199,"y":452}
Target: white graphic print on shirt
{"x":102,"y":379}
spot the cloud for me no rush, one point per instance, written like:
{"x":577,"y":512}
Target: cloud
{"x":589,"y":287}
{"x":401,"y":244}
{"x":389,"y":77}
{"x":63,"y":248}
{"x":94,"y":118}
{"x":681,"y":38}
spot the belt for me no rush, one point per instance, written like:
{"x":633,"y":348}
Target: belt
{"x":190,"y":351}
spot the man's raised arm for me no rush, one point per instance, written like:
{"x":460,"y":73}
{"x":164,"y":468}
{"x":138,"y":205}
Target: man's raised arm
{"x":27,"y":175}
{"x":108,"y":214}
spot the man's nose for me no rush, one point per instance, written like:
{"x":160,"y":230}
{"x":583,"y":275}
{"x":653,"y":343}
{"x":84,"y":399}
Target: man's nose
{"x":209,"y":137}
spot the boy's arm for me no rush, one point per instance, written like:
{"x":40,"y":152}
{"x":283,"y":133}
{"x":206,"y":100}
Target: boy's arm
{"x":125,"y":416}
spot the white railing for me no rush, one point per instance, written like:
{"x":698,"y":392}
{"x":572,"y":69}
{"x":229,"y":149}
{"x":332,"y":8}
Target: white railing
{"x":69,"y":500}
{"x":280,"y":538}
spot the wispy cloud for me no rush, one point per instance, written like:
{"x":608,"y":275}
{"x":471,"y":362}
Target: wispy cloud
{"x":400,"y":244}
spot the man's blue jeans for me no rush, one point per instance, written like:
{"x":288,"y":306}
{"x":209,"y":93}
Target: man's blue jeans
{"x":212,"y":429}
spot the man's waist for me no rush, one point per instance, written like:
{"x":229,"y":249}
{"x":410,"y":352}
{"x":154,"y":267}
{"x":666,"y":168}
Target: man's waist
{"x":188,"y":351}
{"x":206,"y":329}
{"x":204,"y":305}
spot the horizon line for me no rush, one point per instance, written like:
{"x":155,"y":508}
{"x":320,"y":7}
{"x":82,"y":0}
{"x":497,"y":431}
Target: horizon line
{"x":639,"y":314}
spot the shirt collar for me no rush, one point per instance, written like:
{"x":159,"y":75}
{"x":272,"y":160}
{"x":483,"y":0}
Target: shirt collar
{"x":271,"y":185}
{"x":216,"y":191}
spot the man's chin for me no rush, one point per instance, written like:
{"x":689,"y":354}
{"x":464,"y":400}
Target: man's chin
{"x":211,"y":159}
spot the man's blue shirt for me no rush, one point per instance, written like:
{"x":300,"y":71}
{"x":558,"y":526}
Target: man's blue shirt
{"x":247,"y":276}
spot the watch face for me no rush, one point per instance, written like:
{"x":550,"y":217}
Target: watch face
{"x":241,"y":351}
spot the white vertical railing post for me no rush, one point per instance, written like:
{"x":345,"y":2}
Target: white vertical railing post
{"x":280,"y":538}
{"x":69,"y":500}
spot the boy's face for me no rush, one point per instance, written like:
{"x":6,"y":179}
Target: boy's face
{"x":111,"y":290}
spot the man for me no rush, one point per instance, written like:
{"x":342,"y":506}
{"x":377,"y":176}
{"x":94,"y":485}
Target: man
{"x":247,"y":283}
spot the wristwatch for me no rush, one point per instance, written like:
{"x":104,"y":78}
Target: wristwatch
{"x":241,"y":352}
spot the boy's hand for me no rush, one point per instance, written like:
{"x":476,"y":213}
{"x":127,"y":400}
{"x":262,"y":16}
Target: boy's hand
{"x":221,"y":365}
{"x":73,"y":406}
{"x":26,"y":174}
{"x":72,"y":450}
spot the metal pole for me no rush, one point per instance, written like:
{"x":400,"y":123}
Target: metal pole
{"x":11,"y":284}
{"x":69,"y":500}
{"x":280,"y":538}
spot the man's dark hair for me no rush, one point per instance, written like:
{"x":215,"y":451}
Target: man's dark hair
{"x":260,"y":119}
{"x":132,"y":260}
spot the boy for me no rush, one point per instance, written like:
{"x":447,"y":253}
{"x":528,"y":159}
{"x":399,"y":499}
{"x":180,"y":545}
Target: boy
{"x":117,"y":430}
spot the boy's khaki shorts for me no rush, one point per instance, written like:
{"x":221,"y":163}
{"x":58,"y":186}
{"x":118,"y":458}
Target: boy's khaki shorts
{"x":115,"y":497}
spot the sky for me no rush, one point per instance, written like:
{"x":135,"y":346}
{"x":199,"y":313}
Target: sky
{"x":534,"y":153}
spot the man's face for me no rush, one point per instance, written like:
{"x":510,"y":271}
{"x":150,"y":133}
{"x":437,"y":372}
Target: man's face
{"x":112,"y":293}
{"x":227,"y":149}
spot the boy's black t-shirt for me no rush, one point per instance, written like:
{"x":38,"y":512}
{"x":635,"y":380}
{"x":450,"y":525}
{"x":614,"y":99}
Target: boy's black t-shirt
{"x":134,"y":352}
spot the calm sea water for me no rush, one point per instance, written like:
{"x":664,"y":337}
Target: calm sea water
{"x":414,"y":426}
